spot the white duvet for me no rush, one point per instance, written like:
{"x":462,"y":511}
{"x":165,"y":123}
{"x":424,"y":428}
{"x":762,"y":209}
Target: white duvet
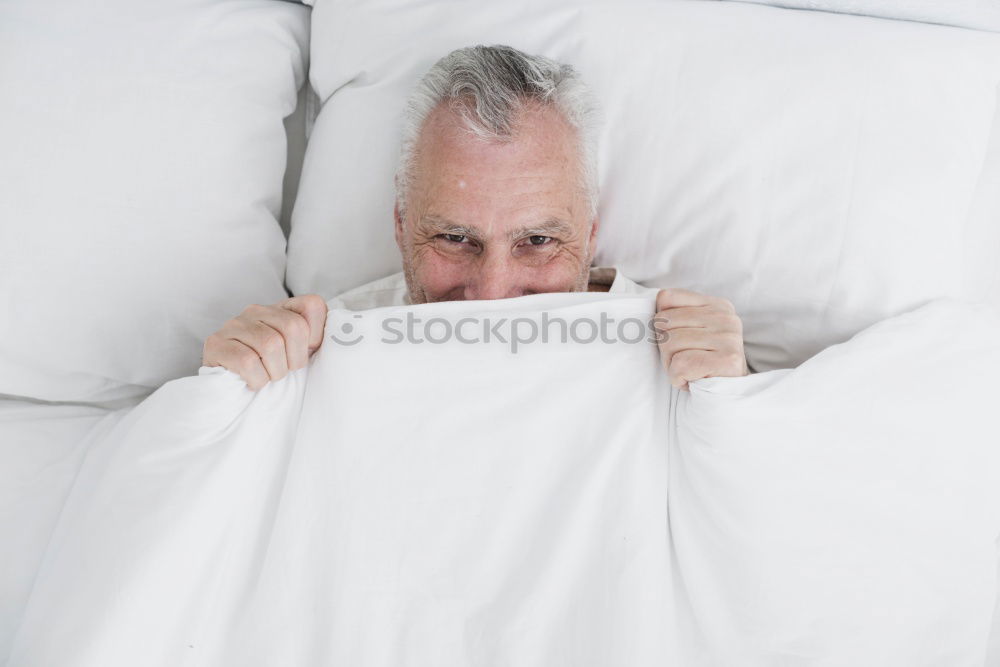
{"x":412,"y":504}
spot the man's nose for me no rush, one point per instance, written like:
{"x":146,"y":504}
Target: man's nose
{"x":496,"y":277}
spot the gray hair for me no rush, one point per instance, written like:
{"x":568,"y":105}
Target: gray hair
{"x":487,"y":86}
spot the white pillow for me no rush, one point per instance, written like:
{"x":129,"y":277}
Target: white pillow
{"x":978,"y":14}
{"x":142,"y":162}
{"x":817,"y":169}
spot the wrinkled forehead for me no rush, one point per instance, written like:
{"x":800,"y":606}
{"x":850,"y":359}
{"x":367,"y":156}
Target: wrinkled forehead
{"x":529,"y":178}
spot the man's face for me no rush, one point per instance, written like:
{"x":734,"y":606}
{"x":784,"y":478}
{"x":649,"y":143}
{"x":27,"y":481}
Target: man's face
{"x":491,"y":220}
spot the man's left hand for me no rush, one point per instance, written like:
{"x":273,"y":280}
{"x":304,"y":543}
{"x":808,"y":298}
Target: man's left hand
{"x":699,"y":336}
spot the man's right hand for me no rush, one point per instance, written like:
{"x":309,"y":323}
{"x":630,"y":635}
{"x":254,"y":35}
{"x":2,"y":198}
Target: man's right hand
{"x":264,"y":343}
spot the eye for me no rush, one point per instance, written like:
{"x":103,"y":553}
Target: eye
{"x":537,"y":239}
{"x":455,"y":238}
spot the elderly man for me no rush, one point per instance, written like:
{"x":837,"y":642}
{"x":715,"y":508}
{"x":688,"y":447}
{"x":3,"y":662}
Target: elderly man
{"x":496,"y":197}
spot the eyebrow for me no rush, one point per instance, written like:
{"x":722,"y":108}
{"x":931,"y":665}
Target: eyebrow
{"x":551,"y":226}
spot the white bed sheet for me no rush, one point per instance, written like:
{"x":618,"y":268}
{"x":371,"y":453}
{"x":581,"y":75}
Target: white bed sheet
{"x":42,"y":447}
{"x":844,"y":512}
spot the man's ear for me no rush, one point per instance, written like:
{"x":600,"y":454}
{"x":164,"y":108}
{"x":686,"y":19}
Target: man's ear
{"x":398,"y":226}
{"x":593,"y":236}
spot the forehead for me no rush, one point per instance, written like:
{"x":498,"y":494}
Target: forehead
{"x":533,"y":174}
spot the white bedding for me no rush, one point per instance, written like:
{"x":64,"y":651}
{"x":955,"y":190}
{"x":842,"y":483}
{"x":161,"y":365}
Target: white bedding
{"x":821,"y":171}
{"x":463,"y":504}
{"x":142,"y":161}
{"x":41,"y":449}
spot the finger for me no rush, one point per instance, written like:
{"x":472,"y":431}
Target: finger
{"x":697,"y":365}
{"x":293,"y":328}
{"x":724,"y":328}
{"x":724,"y":361}
{"x":677,"y":340}
{"x":676,"y":297}
{"x":689,"y":365}
{"x":239,"y":358}
{"x":269,"y":345}
{"x":313,"y":308}
{"x":698,"y":317}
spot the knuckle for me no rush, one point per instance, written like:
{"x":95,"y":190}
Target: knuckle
{"x":246,"y":360}
{"x":211,"y":343}
{"x":314,"y":301}
{"x":297,"y":327}
{"x":681,"y":363}
{"x":272,"y":341}
{"x":232,"y":324}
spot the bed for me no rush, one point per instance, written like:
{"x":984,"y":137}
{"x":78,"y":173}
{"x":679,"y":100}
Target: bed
{"x":831,"y":174}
